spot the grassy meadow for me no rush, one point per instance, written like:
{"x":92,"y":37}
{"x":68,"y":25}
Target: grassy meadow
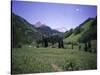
{"x":36,"y":60}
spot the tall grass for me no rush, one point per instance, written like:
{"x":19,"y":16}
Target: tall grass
{"x":36,"y":60}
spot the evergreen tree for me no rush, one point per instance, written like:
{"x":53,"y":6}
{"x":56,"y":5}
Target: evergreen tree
{"x":89,"y":46}
{"x":72,"y":45}
{"x":59,"y":44}
{"x":62,"y":44}
{"x":86,"y":48}
{"x":79,"y":47}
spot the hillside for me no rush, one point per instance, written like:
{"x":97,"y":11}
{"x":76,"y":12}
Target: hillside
{"x":22,"y":31}
{"x":83,"y":32}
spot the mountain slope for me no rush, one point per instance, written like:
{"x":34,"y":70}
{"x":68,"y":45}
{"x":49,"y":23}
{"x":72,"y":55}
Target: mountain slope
{"x":22,"y":31}
{"x":80,"y":33}
{"x":45,"y":30}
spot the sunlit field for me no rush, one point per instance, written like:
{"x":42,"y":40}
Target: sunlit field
{"x":35,"y":60}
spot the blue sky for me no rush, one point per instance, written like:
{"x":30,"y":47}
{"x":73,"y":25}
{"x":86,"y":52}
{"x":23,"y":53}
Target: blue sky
{"x":57,"y":16}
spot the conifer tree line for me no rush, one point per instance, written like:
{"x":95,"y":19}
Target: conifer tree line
{"x":51,"y":39}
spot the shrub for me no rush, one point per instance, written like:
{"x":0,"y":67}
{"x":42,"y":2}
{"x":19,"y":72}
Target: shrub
{"x":19,"y":46}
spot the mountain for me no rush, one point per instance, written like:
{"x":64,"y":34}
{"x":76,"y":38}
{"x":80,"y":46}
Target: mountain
{"x":46,"y":30}
{"x":83,"y":33}
{"x":38,"y":24}
{"x":62,"y":29}
{"x":22,"y":31}
{"x":25,"y":33}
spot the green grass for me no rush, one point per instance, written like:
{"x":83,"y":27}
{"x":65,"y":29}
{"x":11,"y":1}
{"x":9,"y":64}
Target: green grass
{"x":36,"y":60}
{"x":75,"y":38}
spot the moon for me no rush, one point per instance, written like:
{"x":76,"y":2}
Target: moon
{"x":77,"y":9}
